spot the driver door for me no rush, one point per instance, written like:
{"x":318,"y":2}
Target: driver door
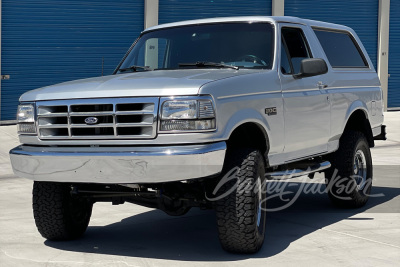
{"x":306,"y":103}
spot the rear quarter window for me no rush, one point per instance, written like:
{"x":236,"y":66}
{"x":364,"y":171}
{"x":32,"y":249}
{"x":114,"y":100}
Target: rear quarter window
{"x":341,"y":49}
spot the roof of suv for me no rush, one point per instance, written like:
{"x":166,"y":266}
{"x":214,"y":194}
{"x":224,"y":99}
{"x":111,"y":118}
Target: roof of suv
{"x":273,"y":19}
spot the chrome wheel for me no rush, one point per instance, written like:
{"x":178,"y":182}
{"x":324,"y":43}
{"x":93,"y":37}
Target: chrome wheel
{"x":360,"y":169}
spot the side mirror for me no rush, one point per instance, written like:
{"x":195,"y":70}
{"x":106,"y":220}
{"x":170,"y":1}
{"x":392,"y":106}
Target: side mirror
{"x":311,"y":67}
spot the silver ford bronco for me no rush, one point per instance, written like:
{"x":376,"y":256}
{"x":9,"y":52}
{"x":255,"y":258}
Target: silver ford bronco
{"x":202,"y":113}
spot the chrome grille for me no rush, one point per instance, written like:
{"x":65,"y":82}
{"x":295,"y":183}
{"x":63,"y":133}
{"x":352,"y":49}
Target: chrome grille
{"x":110,"y":118}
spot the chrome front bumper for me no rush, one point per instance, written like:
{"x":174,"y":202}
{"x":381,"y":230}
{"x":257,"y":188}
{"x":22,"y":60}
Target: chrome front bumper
{"x":118,"y":164}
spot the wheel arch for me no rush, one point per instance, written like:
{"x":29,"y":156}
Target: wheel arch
{"x":358,"y":120}
{"x":250,"y":134}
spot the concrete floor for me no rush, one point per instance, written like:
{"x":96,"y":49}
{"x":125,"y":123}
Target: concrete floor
{"x":310,"y":232}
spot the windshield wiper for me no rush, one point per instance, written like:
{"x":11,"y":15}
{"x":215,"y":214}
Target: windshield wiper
{"x":134,"y":68}
{"x":202,"y":64}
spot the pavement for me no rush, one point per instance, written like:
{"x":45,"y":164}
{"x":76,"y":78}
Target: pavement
{"x":310,"y":232}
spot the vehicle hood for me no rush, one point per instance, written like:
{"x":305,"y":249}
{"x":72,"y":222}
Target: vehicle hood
{"x":146,"y":83}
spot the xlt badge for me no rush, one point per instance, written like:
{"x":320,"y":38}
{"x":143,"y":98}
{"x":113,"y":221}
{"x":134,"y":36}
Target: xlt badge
{"x":270,"y":111}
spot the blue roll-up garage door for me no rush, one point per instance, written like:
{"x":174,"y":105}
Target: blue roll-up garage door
{"x":46,"y":42}
{"x":178,"y":10}
{"x":394,"y":56}
{"x":360,"y":15}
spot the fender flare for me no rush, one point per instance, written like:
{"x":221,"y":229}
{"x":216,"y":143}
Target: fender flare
{"x":355,"y":107}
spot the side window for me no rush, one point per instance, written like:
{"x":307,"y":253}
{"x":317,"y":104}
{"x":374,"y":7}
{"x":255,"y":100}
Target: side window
{"x":296,"y":45}
{"x":341,"y":49}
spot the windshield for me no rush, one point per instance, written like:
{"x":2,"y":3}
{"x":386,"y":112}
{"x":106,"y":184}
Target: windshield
{"x":245,"y":45}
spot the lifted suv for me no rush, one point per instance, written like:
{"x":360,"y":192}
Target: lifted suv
{"x":200,"y":114}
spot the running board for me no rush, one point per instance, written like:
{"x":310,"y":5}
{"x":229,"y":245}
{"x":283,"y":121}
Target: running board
{"x":287,"y":174}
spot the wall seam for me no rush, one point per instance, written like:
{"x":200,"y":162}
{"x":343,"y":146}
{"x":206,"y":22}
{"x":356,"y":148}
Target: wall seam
{"x":383,"y":47}
{"x":151,"y":8}
{"x":278,"y":8}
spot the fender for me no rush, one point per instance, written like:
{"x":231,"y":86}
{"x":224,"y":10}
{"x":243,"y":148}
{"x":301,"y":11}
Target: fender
{"x":366,"y":126}
{"x":356,"y":105}
{"x":245,"y":116}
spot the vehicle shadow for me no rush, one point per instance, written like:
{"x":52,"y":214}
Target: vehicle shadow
{"x":193,"y":237}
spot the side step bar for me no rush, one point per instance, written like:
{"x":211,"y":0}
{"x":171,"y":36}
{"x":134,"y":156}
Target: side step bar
{"x":287,"y":174}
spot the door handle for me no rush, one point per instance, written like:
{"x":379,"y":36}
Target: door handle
{"x":321,"y":85}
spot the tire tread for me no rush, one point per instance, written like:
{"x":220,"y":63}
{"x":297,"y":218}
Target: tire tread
{"x":235,"y":212}
{"x":51,"y":214}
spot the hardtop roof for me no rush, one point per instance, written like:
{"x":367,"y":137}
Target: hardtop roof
{"x":271,"y":19}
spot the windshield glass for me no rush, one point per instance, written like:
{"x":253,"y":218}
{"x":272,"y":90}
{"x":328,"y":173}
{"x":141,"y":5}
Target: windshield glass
{"x":245,"y":45}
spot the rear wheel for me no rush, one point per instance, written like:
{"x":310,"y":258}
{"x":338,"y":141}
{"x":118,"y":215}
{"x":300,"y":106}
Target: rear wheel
{"x":349,"y":181}
{"x":58,"y":215}
{"x":241,"y":212}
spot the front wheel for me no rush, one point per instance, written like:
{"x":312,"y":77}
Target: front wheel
{"x":58,"y":215}
{"x":349,"y":180}
{"x":241,"y":211}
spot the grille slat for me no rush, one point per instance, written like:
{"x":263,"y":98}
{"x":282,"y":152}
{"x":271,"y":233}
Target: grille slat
{"x":106,"y":113}
{"x":100,"y":125}
{"x":112,"y":118}
{"x":133,"y":124}
{"x":49,"y":126}
{"x":53,"y":115}
{"x":133,"y":113}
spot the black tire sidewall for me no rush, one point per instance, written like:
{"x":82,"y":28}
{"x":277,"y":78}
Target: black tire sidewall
{"x":261,"y":203}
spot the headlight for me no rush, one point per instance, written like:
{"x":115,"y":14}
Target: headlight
{"x":26,"y":119}
{"x":177,"y":109}
{"x":187,"y":115}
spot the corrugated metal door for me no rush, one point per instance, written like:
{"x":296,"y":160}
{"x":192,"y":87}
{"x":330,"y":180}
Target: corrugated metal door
{"x":394,"y":56}
{"x":178,"y":10}
{"x":46,"y":42}
{"x":360,"y":15}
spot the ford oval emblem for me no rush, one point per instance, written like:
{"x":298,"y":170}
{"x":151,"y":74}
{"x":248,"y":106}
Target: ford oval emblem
{"x":91,"y":120}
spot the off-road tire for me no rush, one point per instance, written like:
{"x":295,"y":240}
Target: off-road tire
{"x":341,"y":179}
{"x":58,"y":215}
{"x":241,"y":214}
